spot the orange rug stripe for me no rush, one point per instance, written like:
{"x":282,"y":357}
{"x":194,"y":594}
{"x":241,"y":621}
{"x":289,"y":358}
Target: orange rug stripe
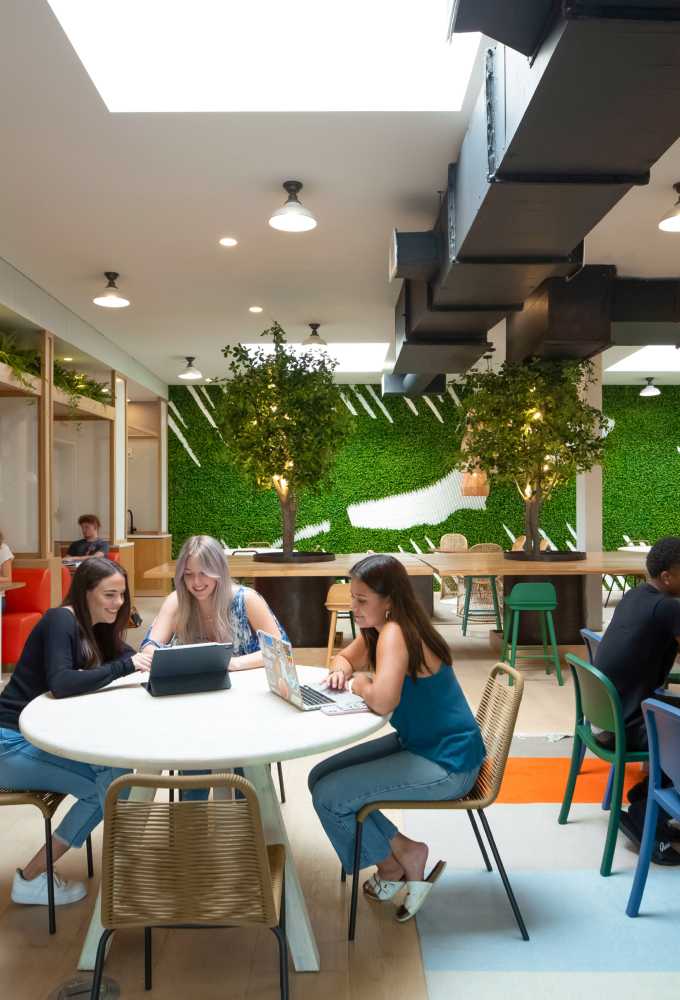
{"x":543,"y":779}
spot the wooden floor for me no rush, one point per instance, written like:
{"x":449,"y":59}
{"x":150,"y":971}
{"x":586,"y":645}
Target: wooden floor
{"x":383,"y":964}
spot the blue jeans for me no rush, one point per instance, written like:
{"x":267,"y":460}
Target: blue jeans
{"x":370,"y":772}
{"x":25,"y":767}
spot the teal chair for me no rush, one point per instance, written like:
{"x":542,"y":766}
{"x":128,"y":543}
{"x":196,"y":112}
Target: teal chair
{"x":541,"y":598}
{"x":598,"y":703}
{"x":483,"y":614}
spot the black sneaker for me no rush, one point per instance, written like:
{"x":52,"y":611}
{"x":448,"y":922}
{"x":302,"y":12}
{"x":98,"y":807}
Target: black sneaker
{"x":663,"y":854}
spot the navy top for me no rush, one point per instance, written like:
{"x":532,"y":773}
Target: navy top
{"x":83,"y":547}
{"x":52,"y":660}
{"x":434,"y":720}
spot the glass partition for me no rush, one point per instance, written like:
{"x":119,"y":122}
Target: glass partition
{"x":19,"y":473}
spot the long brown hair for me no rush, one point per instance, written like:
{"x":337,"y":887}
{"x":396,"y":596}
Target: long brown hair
{"x":386,"y":576}
{"x":99,"y":643}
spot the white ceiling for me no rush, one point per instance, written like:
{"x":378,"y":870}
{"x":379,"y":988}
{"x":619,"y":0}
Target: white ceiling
{"x":84,"y":191}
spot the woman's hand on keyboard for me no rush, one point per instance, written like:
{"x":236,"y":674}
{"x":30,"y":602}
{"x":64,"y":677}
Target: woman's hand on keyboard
{"x":337,"y":680}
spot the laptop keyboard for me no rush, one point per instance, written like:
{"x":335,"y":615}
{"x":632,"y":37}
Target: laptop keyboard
{"x":310,"y":696}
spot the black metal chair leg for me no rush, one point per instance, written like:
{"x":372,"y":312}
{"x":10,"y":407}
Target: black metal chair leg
{"x":480,"y":842}
{"x":90,"y":860}
{"x":282,"y":787}
{"x":504,"y":877}
{"x":171,"y":791}
{"x":99,"y":964}
{"x":148,"y":960}
{"x":355,"y":881}
{"x":343,"y":874}
{"x":51,"y":917}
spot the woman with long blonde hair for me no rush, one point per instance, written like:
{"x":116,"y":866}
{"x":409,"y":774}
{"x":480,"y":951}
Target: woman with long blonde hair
{"x":206,"y":606}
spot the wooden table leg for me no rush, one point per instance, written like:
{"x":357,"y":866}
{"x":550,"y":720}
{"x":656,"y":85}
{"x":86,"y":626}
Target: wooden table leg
{"x":301,"y":940}
{"x":94,"y":931}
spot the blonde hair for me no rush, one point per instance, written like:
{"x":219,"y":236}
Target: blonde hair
{"x":213,"y":562}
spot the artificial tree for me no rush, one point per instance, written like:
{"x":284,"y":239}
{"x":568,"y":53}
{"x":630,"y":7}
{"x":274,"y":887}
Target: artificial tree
{"x":283,"y":420}
{"x":530,"y":425}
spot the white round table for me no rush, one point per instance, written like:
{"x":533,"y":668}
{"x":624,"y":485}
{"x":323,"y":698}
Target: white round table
{"x":123,"y":726}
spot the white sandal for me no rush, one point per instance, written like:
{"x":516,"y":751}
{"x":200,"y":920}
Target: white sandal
{"x":418,"y":893}
{"x":381,"y":890}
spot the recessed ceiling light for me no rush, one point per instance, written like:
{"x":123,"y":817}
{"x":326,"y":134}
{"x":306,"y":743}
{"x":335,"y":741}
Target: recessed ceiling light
{"x":255,"y":309}
{"x":191,"y":372}
{"x":228,"y":241}
{"x":222,"y":48}
{"x":111,"y":299}
{"x":67,"y":359}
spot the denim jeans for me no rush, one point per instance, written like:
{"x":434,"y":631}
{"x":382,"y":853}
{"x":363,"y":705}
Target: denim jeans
{"x":25,"y":767}
{"x":370,"y":772}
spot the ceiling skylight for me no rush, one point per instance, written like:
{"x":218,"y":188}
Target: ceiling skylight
{"x":352,"y":358}
{"x":264,"y":55}
{"x":653,"y":358}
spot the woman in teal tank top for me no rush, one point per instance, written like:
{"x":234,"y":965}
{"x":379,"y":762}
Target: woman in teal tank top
{"x":400,"y":664}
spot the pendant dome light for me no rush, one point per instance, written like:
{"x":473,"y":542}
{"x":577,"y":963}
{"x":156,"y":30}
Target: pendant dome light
{"x":292,"y":217}
{"x":314,"y":340}
{"x":671,"y":221}
{"x":111,"y":298}
{"x":190,"y":373}
{"x":650,"y":389}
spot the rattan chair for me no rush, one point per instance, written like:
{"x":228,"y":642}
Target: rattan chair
{"x":47,"y":803}
{"x":188,"y":864}
{"x":338,"y":602}
{"x":482,"y":590}
{"x":453,"y":542}
{"x":496,"y":715}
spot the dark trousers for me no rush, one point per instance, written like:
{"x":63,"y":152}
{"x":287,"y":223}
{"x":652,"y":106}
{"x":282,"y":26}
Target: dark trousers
{"x":636,"y":739}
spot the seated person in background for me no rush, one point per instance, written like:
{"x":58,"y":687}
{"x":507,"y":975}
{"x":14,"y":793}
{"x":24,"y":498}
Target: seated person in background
{"x":206,"y":606}
{"x":6,"y":557}
{"x":435,"y":753}
{"x":73,"y":649}
{"x":90,"y":544}
{"x":637,"y":653}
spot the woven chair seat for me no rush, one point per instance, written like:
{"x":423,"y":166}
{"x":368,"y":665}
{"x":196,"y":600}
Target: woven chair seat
{"x":46,"y":802}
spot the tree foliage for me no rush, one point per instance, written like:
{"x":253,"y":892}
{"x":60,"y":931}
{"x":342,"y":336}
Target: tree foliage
{"x":529,"y":425}
{"x":283,"y":419}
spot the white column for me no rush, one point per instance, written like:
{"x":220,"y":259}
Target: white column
{"x":119,"y":513}
{"x":589,"y":514}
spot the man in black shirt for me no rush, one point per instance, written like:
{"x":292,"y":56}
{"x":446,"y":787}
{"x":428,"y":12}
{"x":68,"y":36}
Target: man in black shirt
{"x":90,"y":544}
{"x":637,"y":653}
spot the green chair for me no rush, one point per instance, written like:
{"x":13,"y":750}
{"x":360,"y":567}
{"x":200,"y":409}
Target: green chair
{"x":598,"y":703}
{"x":488,"y":582}
{"x":540,"y":598}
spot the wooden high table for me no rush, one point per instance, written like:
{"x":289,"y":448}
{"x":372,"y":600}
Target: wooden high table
{"x":296,"y":592}
{"x":568,"y":578}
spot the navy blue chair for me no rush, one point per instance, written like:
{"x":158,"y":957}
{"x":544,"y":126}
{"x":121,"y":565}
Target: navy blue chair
{"x":663,"y":733}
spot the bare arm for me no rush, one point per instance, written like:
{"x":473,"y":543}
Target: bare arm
{"x":382,"y":690}
{"x":259,"y":617}
{"x":165,"y":622}
{"x":6,"y":571}
{"x":353,"y":658}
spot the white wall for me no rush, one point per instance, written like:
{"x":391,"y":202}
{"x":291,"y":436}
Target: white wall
{"x":143,"y":459}
{"x":81,"y":475}
{"x":19,"y":473}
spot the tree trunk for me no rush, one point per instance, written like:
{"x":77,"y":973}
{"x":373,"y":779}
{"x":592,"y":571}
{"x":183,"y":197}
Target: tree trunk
{"x":288,"y":514}
{"x":532,"y":510}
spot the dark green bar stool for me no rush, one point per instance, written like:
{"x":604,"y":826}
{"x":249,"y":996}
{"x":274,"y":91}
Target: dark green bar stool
{"x":541,"y":598}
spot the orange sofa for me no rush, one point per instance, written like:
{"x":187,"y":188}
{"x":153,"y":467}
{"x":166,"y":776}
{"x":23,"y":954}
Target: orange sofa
{"x":24,"y":608}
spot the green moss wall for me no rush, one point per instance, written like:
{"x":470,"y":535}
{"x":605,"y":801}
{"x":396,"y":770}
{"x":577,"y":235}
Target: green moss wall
{"x":641,"y":476}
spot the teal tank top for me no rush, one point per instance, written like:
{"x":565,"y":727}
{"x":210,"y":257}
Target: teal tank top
{"x":434,"y":720}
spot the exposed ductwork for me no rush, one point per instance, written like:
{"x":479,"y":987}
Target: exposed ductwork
{"x":554,"y":142}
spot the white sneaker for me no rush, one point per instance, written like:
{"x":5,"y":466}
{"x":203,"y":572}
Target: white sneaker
{"x":33,"y":891}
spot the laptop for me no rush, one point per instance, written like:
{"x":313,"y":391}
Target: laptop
{"x":283,"y":680}
{"x":197,"y":667}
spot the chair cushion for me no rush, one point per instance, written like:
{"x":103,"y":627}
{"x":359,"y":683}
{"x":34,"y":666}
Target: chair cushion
{"x":35,"y":595}
{"x":16,"y":628}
